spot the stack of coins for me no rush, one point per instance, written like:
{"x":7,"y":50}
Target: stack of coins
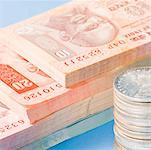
{"x":132,"y":109}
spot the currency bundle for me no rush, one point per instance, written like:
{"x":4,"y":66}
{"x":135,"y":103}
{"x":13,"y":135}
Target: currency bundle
{"x":57,"y":71}
{"x":81,"y":40}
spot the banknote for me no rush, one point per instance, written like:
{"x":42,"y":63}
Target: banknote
{"x":71,"y":131}
{"x":33,"y":94}
{"x":82,"y":39}
{"x":16,"y":132}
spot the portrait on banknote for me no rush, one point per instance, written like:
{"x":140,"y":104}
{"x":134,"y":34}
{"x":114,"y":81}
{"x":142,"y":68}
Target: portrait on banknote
{"x":77,"y":25}
{"x":74,"y":29}
{"x":82,"y":27}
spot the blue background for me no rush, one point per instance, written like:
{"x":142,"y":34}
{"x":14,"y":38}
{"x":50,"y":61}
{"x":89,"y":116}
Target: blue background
{"x":12,"y":11}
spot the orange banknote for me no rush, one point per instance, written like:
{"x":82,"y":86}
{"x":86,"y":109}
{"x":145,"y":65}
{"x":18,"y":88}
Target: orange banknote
{"x":82,"y":39}
{"x":16,"y":131}
{"x":28,"y":91}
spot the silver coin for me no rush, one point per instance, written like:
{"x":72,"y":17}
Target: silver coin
{"x":132,"y":113}
{"x":118,"y":146}
{"x":136,"y":105}
{"x":133,"y":120}
{"x":134,"y":84}
{"x":141,"y":112}
{"x":131,"y":143}
{"x":132,"y":127}
{"x":133,"y":133}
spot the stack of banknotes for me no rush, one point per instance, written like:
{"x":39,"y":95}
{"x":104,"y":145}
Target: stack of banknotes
{"x":132,"y":103}
{"x":57,"y":69}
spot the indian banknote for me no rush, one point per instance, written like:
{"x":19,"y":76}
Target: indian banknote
{"x":33,"y":94}
{"x":16,"y":132}
{"x":82,"y":39}
{"x":71,"y":131}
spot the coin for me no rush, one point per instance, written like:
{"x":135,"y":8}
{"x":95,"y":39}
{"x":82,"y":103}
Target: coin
{"x":132,"y":109}
{"x":132,"y":127}
{"x":133,"y":133}
{"x":134,"y":84}
{"x":133,"y":120}
{"x":117,"y":146}
{"x":131,"y":143}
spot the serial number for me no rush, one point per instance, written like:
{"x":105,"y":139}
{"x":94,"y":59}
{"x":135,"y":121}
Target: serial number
{"x":83,"y":57}
{"x":42,"y":92}
{"x":11,"y":126}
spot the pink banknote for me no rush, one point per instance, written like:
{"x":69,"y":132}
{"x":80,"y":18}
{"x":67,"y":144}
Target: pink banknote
{"x":77,"y":41}
{"x":28,"y":91}
{"x":16,"y":132}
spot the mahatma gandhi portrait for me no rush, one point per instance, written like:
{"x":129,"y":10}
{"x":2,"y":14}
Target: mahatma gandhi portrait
{"x":82,"y":27}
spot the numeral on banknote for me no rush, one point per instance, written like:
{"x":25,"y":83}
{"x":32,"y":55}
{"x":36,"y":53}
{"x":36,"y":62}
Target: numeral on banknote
{"x":42,"y":92}
{"x":92,"y":53}
{"x":22,"y":84}
{"x":62,"y":54}
{"x":11,"y":126}
{"x":15,"y":80}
